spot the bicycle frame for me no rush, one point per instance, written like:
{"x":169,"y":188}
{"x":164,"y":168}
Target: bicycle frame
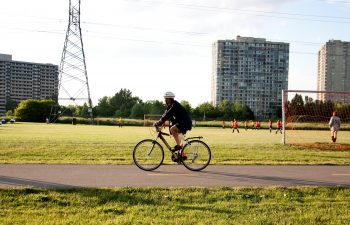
{"x":160,"y":136}
{"x":188,"y":155}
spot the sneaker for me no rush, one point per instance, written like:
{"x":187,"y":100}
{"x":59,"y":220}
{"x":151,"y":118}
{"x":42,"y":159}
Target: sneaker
{"x":183,"y":156}
{"x":176,"y":148}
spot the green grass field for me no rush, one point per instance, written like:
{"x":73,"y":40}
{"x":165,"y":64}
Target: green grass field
{"x":302,"y":205}
{"x":85,"y":144}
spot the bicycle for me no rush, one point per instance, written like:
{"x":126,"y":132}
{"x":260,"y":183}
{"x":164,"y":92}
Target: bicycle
{"x":148,"y":154}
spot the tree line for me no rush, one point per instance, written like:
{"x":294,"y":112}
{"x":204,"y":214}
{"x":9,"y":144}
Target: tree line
{"x":124,"y":104}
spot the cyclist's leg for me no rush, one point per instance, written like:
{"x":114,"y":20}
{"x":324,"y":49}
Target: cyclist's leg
{"x":178,"y":131}
{"x":175,"y":131}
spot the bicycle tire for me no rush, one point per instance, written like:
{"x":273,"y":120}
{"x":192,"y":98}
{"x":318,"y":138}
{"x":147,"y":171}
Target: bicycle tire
{"x":148,"y":155}
{"x":198,"y":155}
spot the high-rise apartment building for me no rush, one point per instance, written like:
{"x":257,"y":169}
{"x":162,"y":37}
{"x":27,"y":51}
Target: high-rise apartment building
{"x":333,"y":69}
{"x":251,"y":71}
{"x":24,"y":80}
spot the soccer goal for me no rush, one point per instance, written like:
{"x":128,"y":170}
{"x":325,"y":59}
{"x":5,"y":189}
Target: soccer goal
{"x":149,"y":119}
{"x":306,"y":114}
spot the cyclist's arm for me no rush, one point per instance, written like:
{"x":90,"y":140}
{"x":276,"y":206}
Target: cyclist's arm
{"x":166,"y":116}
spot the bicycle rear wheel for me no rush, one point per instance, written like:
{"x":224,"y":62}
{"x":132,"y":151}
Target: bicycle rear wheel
{"x":197,"y":154}
{"x":148,"y":155}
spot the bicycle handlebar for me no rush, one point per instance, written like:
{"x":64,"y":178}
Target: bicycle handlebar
{"x":159,"y":130}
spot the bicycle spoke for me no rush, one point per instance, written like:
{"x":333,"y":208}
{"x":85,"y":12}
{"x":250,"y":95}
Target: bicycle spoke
{"x":148,"y":155}
{"x":197,"y":154}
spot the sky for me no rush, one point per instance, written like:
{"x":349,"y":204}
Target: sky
{"x":154,"y":46}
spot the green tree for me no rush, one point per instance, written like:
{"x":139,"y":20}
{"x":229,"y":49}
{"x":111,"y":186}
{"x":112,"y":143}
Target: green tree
{"x":34,"y":110}
{"x":138,"y":111}
{"x":187,"y":106}
{"x":154,"y":107}
{"x":104,"y":108}
{"x":206,"y":111}
{"x":226,"y":109}
{"x":11,"y":105}
{"x":119,"y":105}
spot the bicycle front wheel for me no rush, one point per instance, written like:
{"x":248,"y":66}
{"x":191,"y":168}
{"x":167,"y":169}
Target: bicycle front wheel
{"x":196,"y":155}
{"x":148,"y":155}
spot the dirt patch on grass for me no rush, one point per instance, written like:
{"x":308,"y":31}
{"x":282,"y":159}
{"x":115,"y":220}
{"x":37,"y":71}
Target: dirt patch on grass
{"x":324,"y":146}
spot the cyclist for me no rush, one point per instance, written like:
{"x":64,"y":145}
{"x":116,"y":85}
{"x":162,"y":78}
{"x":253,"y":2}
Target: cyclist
{"x":180,"y":119}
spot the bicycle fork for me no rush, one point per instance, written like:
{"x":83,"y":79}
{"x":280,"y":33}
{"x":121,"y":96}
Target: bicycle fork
{"x":151,"y":150}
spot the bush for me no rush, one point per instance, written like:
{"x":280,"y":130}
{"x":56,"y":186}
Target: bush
{"x":34,"y":110}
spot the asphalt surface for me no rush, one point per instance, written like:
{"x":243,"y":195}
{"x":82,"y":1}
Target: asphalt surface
{"x":75,"y":176}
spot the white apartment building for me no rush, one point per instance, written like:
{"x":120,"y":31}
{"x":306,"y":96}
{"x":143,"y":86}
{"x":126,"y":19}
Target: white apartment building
{"x":251,"y":71}
{"x":25,"y":80}
{"x":333,"y":69}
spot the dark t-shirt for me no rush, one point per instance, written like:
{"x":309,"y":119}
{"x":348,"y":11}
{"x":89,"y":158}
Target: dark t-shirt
{"x":177,"y":114}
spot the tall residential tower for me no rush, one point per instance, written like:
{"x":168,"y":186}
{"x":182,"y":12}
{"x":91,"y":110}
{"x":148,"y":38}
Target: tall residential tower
{"x":333,"y":69}
{"x":251,"y":71}
{"x":24,"y":80}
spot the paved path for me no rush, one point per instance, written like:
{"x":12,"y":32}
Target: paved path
{"x":63,"y":176}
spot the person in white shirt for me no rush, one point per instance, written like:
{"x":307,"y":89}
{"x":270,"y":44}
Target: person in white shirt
{"x":334,"y":124}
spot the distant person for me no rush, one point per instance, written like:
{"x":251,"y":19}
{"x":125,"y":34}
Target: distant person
{"x":334,"y":124}
{"x":120,"y":122}
{"x":257,"y":124}
{"x":234,"y":126}
{"x":279,"y":126}
{"x":223,"y":124}
{"x":270,"y":125}
{"x":193,"y":123}
{"x":253,"y":127}
{"x":246,"y":124}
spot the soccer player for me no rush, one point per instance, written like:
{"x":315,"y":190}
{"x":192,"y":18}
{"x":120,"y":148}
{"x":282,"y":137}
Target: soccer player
{"x":270,"y":125}
{"x":120,"y":122}
{"x":334,"y":124}
{"x":234,"y":126}
{"x":253,"y":125}
{"x":279,"y":126}
{"x":257,"y":124}
{"x":246,"y":124}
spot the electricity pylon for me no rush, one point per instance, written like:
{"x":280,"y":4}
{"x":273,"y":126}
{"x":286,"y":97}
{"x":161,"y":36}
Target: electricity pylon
{"x":73,"y":82}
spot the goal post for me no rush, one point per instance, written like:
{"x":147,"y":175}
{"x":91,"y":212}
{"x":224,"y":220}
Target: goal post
{"x":305,"y":116}
{"x":149,"y":119}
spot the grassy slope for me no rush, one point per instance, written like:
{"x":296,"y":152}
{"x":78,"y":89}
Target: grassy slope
{"x":303,"y":205}
{"x":83,"y":144}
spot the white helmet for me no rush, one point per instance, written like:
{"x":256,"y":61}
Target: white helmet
{"x":169,"y":94}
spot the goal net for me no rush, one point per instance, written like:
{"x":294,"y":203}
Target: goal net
{"x":149,"y":119}
{"x":306,"y":115}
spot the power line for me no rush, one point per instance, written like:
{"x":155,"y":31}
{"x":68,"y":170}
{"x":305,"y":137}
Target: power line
{"x":113,"y":36}
{"x":335,"y":1}
{"x":251,"y":12}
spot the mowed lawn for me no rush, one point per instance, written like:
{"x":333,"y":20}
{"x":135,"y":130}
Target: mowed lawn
{"x":86,"y":144}
{"x":219,"y":206}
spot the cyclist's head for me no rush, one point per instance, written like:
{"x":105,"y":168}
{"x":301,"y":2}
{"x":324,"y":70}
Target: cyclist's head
{"x":169,"y":94}
{"x":169,"y":97}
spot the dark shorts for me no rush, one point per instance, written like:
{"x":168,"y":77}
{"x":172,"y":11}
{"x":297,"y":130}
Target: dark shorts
{"x":181,"y":128}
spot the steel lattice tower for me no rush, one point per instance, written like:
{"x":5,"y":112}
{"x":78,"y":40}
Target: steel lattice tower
{"x":73,"y":82}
